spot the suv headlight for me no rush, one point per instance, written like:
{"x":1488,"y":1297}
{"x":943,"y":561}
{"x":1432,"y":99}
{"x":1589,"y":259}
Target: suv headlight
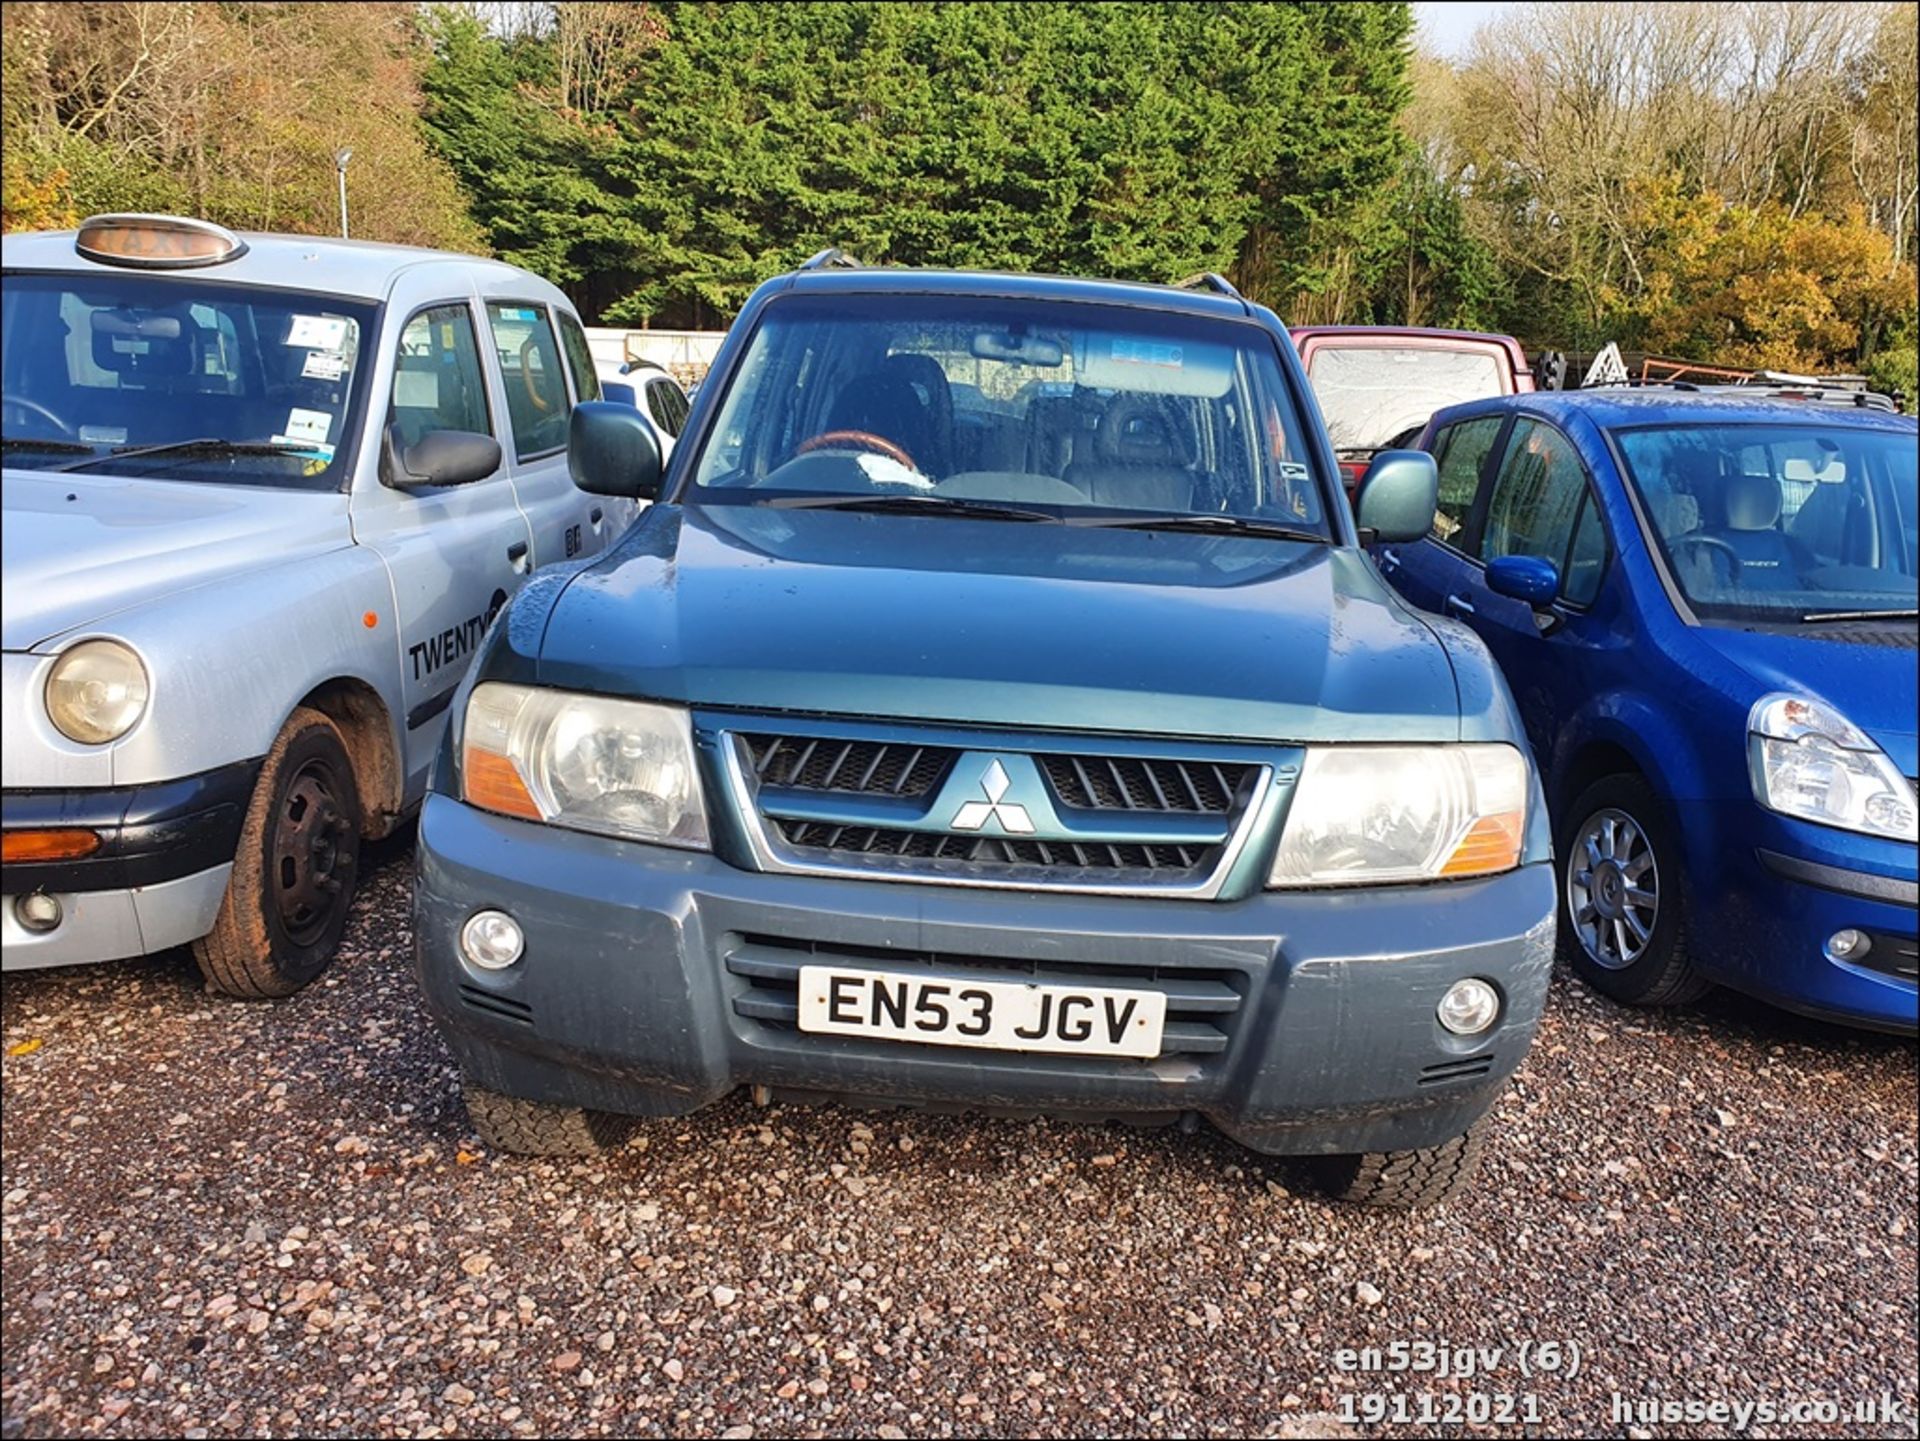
{"x":1808,"y":760}
{"x":96,"y":691}
{"x":616,"y":767}
{"x":1373,"y":815}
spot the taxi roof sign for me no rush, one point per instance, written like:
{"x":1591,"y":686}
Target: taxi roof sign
{"x":156,"y":242}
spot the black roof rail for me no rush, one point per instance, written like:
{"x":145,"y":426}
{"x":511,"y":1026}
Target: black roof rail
{"x":832,"y":258}
{"x":1208,"y":280}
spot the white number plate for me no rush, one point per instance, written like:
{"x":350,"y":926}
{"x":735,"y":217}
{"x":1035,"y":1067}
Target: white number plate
{"x":994,"y":1015}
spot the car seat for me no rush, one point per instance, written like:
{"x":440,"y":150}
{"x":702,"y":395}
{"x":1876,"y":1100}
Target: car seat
{"x":929,"y":383}
{"x":1141,"y":458}
{"x":881,"y":402}
{"x":1750,"y":517}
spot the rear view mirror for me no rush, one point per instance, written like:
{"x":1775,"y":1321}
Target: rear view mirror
{"x":1398,"y":495}
{"x":1525,"y":578}
{"x":1017,"y":349}
{"x":611,"y":450}
{"x":440,"y":457}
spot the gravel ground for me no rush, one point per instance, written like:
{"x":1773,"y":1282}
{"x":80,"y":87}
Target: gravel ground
{"x":224,"y":1217}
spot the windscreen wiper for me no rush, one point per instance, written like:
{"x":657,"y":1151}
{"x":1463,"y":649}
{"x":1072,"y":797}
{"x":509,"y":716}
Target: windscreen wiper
{"x":1825,"y":615}
{"x":49,"y":446}
{"x":207,"y":445}
{"x":1201,"y":520}
{"x":917,"y":504}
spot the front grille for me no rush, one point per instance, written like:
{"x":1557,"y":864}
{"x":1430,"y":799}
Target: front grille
{"x":809,"y":763}
{"x":1123,"y":783}
{"x":1202,"y":1003}
{"x":1161,"y":862}
{"x":1107,"y":820}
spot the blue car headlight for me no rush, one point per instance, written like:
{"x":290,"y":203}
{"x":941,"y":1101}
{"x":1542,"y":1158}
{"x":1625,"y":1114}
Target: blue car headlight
{"x":1809,"y":761}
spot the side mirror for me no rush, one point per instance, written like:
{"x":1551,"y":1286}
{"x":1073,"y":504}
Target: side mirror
{"x":611,"y":450}
{"x":440,"y":457}
{"x":1525,"y":578}
{"x":620,"y":392}
{"x":1398,"y":495}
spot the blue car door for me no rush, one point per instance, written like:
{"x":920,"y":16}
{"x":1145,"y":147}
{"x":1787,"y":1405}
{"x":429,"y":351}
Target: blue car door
{"x":1427,"y":571}
{"x":1541,"y":503}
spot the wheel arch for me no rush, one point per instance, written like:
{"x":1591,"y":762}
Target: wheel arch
{"x":366,"y":725}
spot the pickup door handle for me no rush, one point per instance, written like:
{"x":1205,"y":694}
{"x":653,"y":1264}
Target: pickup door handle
{"x":595,"y":514}
{"x":1459,"y":605}
{"x":516,"y":553}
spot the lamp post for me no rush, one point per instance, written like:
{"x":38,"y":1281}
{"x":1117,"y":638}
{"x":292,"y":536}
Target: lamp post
{"x":340,"y":159}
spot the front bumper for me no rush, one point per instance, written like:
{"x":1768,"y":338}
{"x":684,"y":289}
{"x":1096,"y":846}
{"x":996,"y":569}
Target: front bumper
{"x":1766,"y":892}
{"x":155,"y":880}
{"x":637,"y":992}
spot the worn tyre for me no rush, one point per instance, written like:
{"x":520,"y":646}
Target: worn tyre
{"x":1623,"y":923}
{"x":296,"y":868}
{"x":1405,"y":1180}
{"x":535,"y":1128}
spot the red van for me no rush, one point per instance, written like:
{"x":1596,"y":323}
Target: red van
{"x":1377,"y":384}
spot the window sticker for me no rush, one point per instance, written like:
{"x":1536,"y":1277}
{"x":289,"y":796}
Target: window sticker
{"x":104,"y":434}
{"x":1293,"y":471}
{"x":318,"y":332}
{"x":323,"y":365}
{"x":416,"y":389}
{"x":304,"y":426}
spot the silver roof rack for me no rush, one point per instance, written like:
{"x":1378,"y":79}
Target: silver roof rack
{"x":832,"y":258}
{"x":1209,"y":280}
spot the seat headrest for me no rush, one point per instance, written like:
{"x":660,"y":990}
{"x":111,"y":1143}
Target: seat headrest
{"x":1752,"y":502}
{"x":1137,"y":430}
{"x":886,"y":405}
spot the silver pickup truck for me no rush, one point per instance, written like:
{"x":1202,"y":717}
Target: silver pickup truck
{"x":263,"y":494}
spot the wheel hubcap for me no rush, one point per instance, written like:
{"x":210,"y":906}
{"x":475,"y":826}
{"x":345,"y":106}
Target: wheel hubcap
{"x":1613,"y":889}
{"x":313,"y":854}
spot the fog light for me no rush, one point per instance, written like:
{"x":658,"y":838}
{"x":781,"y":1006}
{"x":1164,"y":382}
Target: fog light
{"x":1469,"y":1007}
{"x":38,"y":911}
{"x":492,"y":940}
{"x":1848,"y":945}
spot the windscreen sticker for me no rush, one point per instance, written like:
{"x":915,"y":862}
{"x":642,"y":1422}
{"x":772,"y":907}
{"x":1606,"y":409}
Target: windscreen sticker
{"x":318,"y":332}
{"x":884,"y":470}
{"x":104,"y":434}
{"x":1293,"y":471}
{"x":323,"y":454}
{"x":323,"y":365}
{"x":305,"y":426}
{"x":1135,"y":351}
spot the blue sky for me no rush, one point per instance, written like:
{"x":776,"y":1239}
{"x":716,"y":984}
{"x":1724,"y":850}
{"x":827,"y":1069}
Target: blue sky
{"x":1446,"y":26}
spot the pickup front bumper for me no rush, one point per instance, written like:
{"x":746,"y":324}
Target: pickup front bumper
{"x":155,"y":879}
{"x":655,"y":981}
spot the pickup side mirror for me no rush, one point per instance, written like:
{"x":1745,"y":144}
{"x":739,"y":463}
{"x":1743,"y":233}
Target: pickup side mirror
{"x":611,"y":450}
{"x":620,"y":391}
{"x":1398,"y":496}
{"x":1525,"y":578}
{"x":440,"y":457}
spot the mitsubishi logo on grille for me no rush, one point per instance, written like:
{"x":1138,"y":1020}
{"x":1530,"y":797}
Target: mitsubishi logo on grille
{"x":1013,"y":818}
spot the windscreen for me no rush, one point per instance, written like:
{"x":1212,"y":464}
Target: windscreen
{"x":1370,"y":395}
{"x":1061,"y":406}
{"x":1781,"y":522}
{"x":101,"y":369}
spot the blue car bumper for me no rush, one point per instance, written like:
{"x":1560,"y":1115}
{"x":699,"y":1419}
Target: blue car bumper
{"x":1768,"y":893}
{"x":656,"y":981}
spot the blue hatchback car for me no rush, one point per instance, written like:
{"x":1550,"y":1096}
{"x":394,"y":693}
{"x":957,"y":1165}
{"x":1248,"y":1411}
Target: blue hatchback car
{"x":1705,"y":607}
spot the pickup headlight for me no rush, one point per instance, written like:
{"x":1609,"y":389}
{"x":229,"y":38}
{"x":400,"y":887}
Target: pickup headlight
{"x":96,"y":691}
{"x":615,"y":767}
{"x":1373,"y":815}
{"x":1809,"y":761}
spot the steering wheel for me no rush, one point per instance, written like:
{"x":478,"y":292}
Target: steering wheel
{"x":859,"y":440}
{"x":22,"y":403}
{"x":1711,"y":542}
